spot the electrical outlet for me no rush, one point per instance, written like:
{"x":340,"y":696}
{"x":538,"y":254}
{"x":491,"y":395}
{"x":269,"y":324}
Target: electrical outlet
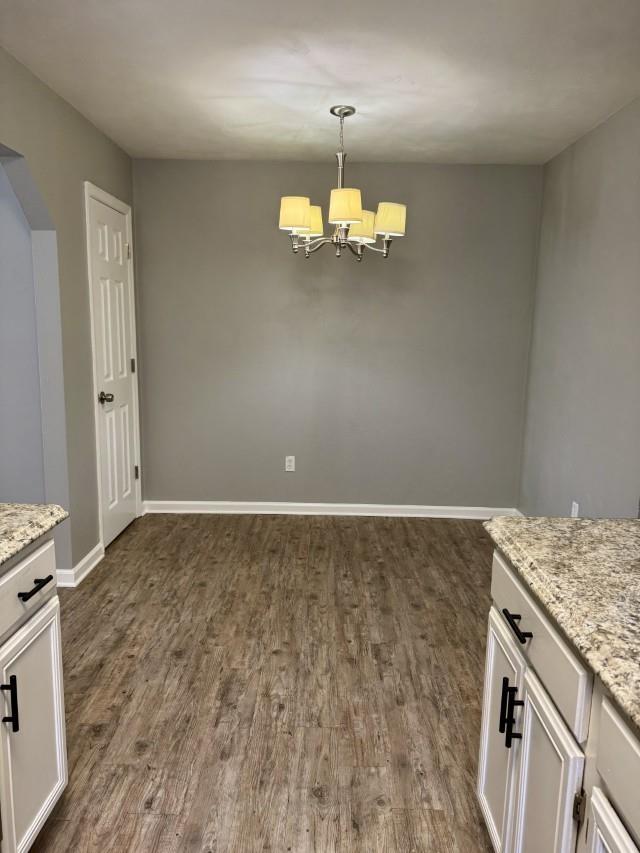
{"x":575,"y":509}
{"x":289,"y":463}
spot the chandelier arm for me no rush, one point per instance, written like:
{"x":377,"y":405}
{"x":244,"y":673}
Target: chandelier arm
{"x":309,"y":248}
{"x":318,"y":241}
{"x":384,"y":251}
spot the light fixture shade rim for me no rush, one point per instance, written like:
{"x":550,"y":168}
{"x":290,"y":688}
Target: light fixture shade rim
{"x":345,"y":206}
{"x":391,"y":219}
{"x":295,"y":214}
{"x":362,"y":232}
{"x":316,"y":225}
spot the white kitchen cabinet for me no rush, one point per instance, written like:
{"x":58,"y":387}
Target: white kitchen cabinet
{"x":606,"y":833}
{"x":498,"y":763}
{"x":572,"y":735}
{"x":550,"y":776}
{"x":33,"y":764}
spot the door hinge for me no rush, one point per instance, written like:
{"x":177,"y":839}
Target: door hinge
{"x":136,"y":471}
{"x":133,"y":365}
{"x":579,"y":807}
{"x":128,"y":250}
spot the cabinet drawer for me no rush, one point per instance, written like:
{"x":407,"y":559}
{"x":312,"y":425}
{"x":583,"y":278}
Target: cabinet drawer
{"x":565,"y":678}
{"x":618,"y":763}
{"x":40,"y":564}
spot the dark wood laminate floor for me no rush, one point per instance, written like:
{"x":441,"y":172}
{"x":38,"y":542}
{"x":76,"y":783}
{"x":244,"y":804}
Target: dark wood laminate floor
{"x":252,"y":683}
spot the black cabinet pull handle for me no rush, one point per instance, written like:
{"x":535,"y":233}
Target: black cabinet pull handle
{"x":12,"y":687}
{"x":512,"y":703}
{"x":513,"y":619}
{"x":39,"y":584}
{"x":503,"y":705}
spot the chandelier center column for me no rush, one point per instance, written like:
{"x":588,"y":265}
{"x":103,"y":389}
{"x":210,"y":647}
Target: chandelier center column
{"x":340,"y":157}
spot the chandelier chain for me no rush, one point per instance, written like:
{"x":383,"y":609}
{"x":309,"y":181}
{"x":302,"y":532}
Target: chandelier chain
{"x":342,"y":134}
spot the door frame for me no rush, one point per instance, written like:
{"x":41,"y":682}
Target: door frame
{"x":91,"y":191}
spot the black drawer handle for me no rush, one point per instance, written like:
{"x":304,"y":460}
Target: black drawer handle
{"x":40,"y":583}
{"x":512,"y":703}
{"x":513,"y":619}
{"x":12,"y":687}
{"x":502,"y":724}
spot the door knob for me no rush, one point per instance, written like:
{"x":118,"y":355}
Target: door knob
{"x":105,"y":398}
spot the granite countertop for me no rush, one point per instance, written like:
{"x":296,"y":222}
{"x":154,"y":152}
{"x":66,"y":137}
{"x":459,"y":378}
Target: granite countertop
{"x":21,"y":524}
{"x":586,"y":574}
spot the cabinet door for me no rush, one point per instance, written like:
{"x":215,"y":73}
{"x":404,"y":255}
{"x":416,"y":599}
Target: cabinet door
{"x":551,"y":768}
{"x":606,"y":832}
{"x":497,"y":764}
{"x":33,"y":768}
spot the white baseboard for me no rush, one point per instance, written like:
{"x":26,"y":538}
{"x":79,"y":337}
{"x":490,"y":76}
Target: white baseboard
{"x":72,"y":577}
{"x":284,"y":508}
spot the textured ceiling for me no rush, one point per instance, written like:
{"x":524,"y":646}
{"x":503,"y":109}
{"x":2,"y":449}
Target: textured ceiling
{"x":499,"y":81}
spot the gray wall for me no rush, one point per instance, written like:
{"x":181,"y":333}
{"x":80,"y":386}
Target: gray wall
{"x":21,"y":452}
{"x":33,"y":436}
{"x":583,"y":420}
{"x":62,"y":150}
{"x":398,"y":381}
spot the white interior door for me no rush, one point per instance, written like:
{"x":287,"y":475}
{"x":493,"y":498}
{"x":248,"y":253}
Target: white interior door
{"x":498,"y":762}
{"x":551,"y":769}
{"x":113,"y":323}
{"x":33,"y":766}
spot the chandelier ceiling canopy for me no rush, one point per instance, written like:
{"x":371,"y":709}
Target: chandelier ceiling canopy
{"x":354,"y":228}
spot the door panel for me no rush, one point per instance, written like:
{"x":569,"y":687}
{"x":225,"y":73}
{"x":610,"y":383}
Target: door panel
{"x":606,"y":831}
{"x":497,"y":763}
{"x":551,"y":768}
{"x":114,"y":339}
{"x":618,"y":763}
{"x":33,"y":770}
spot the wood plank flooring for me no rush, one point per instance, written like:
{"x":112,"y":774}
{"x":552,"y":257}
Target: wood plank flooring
{"x":274,"y":683}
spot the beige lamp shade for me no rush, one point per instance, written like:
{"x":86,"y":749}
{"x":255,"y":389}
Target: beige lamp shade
{"x":316,"y":228}
{"x":362,"y":232}
{"x":345,"y":207}
{"x":295,"y":214}
{"x":391,"y":219}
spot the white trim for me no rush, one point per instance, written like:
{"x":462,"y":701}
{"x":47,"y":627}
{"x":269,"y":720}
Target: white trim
{"x":92,"y":191}
{"x":284,"y":508}
{"x":72,"y":577}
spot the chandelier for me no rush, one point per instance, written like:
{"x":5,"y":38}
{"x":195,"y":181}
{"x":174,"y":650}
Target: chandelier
{"x":355,"y":229}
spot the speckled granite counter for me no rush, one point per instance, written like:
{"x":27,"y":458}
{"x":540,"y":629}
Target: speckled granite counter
{"x":21,"y":524}
{"x":586,"y":574}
